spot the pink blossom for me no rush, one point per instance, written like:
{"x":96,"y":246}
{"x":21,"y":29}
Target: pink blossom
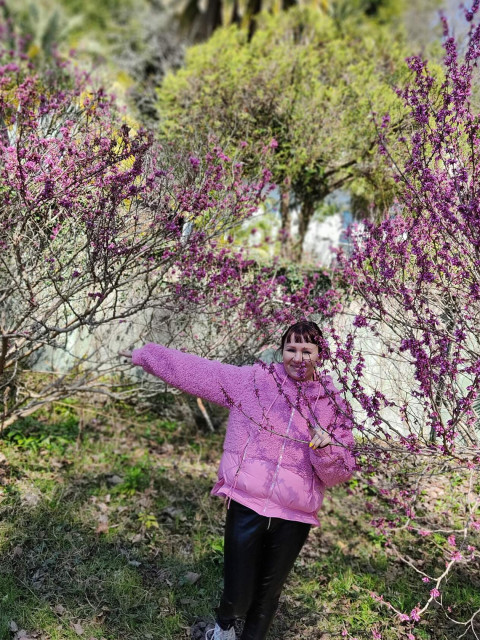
{"x":414,"y":614}
{"x":195,"y":162}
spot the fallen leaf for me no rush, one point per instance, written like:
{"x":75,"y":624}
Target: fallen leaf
{"x":13,"y":626}
{"x":38,"y":578}
{"x":31,"y":499}
{"x":191,"y":577}
{"x":145,"y":501}
{"x":17,"y":551}
{"x":102,"y":527}
{"x":77,"y":627}
{"x":138,"y":537}
{"x":173,"y":513}
{"x":60,"y":609}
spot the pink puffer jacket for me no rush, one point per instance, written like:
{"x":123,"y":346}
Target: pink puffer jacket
{"x":267,"y":464}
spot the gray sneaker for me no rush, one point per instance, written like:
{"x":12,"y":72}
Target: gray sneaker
{"x":217,"y":633}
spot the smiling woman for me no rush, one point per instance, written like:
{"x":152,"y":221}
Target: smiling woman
{"x":288,"y":439}
{"x":301,"y":350}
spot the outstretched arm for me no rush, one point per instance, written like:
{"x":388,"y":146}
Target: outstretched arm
{"x":208,"y":379}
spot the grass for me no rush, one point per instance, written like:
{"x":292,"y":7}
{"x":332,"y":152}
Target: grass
{"x":107,"y":530}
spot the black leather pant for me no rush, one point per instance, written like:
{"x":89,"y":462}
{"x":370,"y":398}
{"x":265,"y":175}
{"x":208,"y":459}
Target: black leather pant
{"x":259,"y":554}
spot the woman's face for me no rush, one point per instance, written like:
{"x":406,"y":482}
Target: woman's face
{"x":299,"y":359}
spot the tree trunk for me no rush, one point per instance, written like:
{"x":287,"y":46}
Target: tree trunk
{"x":253,"y":7}
{"x":305,"y":215}
{"x":236,"y":17}
{"x":3,"y":354}
{"x":451,"y":315}
{"x":285,"y":229}
{"x":3,"y":130}
{"x":210,"y":20}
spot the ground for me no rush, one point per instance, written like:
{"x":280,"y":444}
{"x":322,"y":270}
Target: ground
{"x":107,"y":530}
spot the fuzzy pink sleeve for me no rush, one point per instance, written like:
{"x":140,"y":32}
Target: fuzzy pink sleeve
{"x":208,"y":379}
{"x":335,"y":463}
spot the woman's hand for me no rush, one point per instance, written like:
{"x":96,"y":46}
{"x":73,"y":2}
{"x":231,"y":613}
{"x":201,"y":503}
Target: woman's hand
{"x":125,"y":354}
{"x":320,"y":439}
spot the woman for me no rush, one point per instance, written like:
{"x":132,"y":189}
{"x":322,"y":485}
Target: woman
{"x":288,"y":438}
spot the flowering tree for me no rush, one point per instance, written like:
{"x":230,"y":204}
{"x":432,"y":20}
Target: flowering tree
{"x":99,"y":225}
{"x":409,"y":353}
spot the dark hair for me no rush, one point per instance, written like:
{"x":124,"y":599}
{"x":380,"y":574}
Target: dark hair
{"x":303,"y":331}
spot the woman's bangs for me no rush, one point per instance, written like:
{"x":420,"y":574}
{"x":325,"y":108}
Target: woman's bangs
{"x":302,"y":335}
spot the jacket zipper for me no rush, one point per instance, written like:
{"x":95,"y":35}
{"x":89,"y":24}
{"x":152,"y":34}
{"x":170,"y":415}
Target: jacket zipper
{"x":279,"y":462}
{"x":232,"y":488}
